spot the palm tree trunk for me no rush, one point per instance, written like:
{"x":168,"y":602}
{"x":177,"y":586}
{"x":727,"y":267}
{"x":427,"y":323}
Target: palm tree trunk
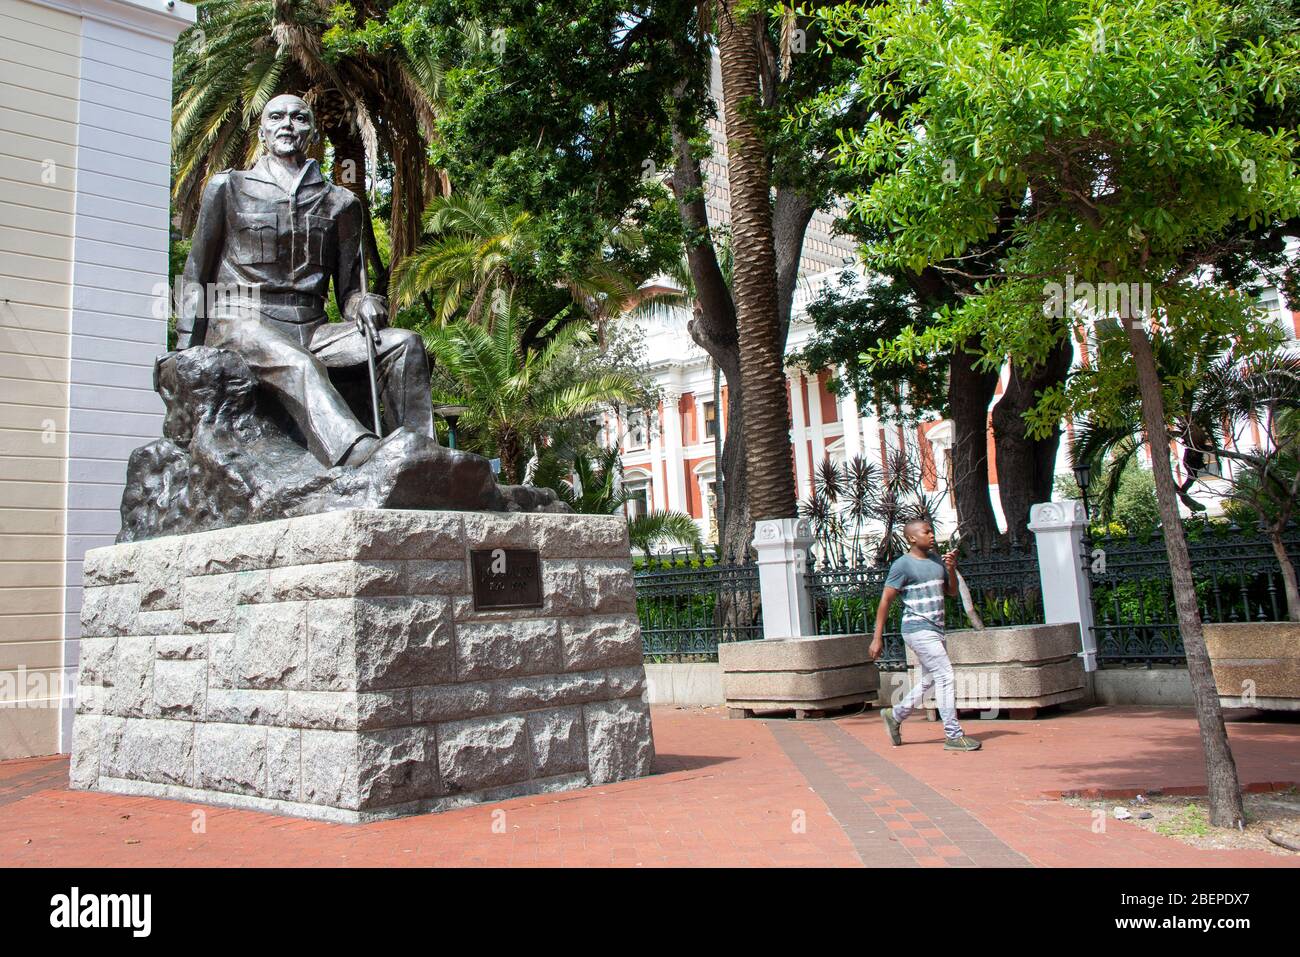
{"x":1226,"y":809}
{"x":350,"y":173}
{"x":762,"y":362}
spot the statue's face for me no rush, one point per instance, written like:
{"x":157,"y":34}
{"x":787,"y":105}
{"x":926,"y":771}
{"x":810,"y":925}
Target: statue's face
{"x":288,"y":126}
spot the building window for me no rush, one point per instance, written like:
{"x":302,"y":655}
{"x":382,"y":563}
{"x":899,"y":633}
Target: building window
{"x":638,"y":497}
{"x":710,"y":420}
{"x":638,"y":429}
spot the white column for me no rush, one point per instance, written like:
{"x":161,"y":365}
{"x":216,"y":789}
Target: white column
{"x":672,"y":432}
{"x":799,"y":436}
{"x":817,"y":433}
{"x":658,"y":494}
{"x":852,"y":425}
{"x":1067,"y":590}
{"x":782,"y":545}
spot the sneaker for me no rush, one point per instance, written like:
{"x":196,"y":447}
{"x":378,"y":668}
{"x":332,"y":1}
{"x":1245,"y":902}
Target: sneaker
{"x":891,"y":725}
{"x":962,"y":743}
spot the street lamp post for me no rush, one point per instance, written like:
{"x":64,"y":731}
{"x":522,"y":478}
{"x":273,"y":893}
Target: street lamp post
{"x":1083,"y":477}
{"x":451,"y":413}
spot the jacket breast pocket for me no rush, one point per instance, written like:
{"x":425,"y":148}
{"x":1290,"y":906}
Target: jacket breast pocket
{"x":255,"y":238}
{"x":321,"y":243}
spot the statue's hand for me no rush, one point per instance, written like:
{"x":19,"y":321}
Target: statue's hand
{"x":370,"y":314}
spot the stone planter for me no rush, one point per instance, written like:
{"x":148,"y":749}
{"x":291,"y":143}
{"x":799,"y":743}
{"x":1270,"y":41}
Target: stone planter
{"x":805,"y":675}
{"x":1256,"y":664}
{"x":1016,"y":669}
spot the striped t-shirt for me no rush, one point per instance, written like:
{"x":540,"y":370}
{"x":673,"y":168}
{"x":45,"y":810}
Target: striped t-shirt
{"x":920,"y":582}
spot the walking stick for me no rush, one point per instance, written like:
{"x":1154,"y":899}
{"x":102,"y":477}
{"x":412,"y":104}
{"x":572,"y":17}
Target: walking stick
{"x":371,"y":358}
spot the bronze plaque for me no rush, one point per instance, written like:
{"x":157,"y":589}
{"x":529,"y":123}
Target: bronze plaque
{"x":506,"y":578}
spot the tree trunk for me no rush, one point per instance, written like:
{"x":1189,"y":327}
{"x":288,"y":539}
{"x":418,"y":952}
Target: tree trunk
{"x":1288,"y":572}
{"x":1226,"y":809}
{"x":969,"y":394}
{"x":1026,"y":467}
{"x":349,"y":171}
{"x":766,"y":425}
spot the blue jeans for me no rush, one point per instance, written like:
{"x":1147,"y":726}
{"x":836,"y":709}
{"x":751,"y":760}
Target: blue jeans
{"x":936,"y":672}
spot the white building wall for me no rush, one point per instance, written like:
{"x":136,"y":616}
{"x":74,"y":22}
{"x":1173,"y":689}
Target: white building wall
{"x":119,"y":323}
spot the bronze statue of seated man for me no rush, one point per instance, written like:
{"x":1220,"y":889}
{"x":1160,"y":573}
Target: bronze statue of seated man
{"x":272,"y":239}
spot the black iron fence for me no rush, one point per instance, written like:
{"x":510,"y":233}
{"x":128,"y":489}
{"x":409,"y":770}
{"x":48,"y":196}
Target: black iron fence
{"x":689,"y":604}
{"x":1236,"y":574}
{"x":1004,"y":587}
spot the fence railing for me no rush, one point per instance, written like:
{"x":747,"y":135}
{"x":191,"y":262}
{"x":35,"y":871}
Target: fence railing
{"x":1005,"y":590}
{"x":687,"y":606}
{"x":1236,"y":575}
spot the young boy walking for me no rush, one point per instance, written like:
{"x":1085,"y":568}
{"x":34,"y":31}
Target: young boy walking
{"x":923,"y":579}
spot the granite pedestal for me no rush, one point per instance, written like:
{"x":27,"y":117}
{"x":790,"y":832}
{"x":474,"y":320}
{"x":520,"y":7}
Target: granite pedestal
{"x":333,"y":666}
{"x":805,"y":675}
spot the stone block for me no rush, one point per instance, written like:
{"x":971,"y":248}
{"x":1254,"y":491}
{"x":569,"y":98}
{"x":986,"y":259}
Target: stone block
{"x":115,"y":565}
{"x":483,"y":752}
{"x":148,"y":750}
{"x":284,"y":764}
{"x":793,"y":654}
{"x":581,"y":536}
{"x":268,"y":650}
{"x":96,"y":665}
{"x":562,"y":588}
{"x":407,"y":642}
{"x":346,"y":579}
{"x":397,"y":766}
{"x":159,"y":575}
{"x":593,"y":642}
{"x":208,"y":603}
{"x":449,"y":702}
{"x":180,"y":688}
{"x":798,"y":687}
{"x":1023,"y":644}
{"x":548,"y":691}
{"x":619,"y":743}
{"x":441,"y":577}
{"x":131,"y":681}
{"x":1256,"y":664}
{"x":83,"y":771}
{"x":329,"y":769}
{"x":185,"y":647}
{"x":489,"y":530}
{"x":244,"y":706}
{"x":498,"y":649}
{"x":608,"y":587}
{"x":109,"y":610}
{"x":231,"y":758}
{"x":558,"y":741}
{"x":331,"y":643}
{"x":246,"y":548}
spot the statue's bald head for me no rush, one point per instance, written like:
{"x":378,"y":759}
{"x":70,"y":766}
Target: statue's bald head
{"x":288,"y":125}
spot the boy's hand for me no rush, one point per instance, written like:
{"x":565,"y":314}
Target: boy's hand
{"x":877,"y":646}
{"x":950,"y":560}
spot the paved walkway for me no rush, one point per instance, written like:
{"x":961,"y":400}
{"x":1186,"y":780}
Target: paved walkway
{"x":725,"y":793}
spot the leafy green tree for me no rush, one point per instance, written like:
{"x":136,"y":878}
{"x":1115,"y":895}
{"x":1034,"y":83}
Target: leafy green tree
{"x":1128,"y":137}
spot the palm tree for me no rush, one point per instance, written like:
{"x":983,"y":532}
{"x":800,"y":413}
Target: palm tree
{"x":647,"y":531}
{"x":516,"y":396}
{"x":769,"y":472}
{"x":476,"y":247}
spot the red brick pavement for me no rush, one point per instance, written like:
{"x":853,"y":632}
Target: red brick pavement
{"x":742,"y":793}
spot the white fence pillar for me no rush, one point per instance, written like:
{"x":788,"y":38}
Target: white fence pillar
{"x":1067,"y":589}
{"x":782,"y":545}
